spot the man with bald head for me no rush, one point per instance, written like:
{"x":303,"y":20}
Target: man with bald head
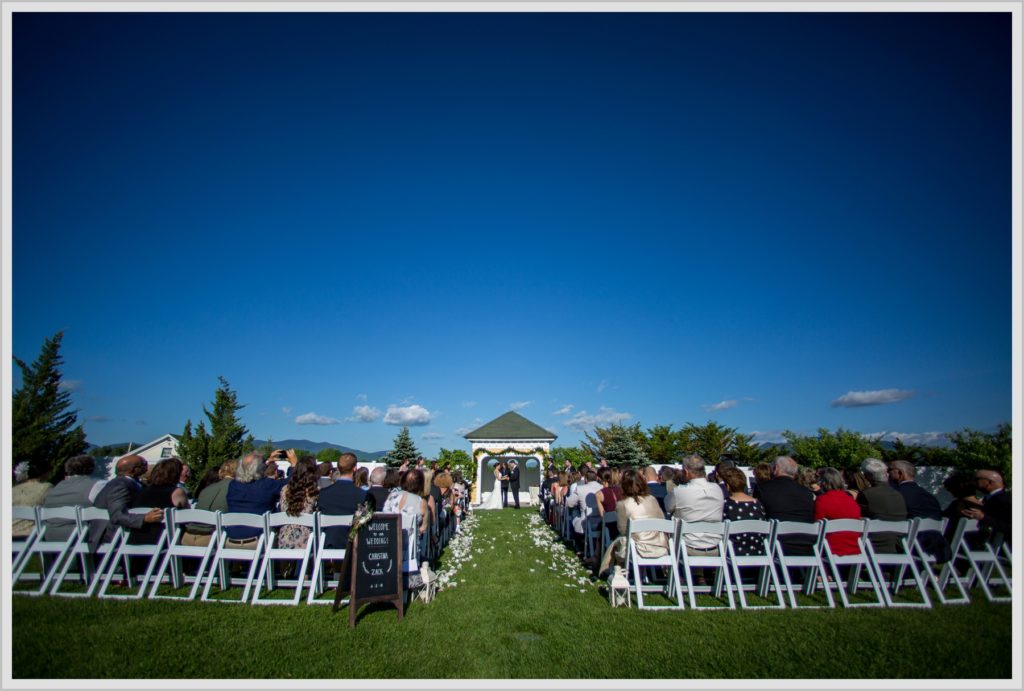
{"x":995,"y":512}
{"x":785,"y":500}
{"x":116,"y":497}
{"x":920,"y":504}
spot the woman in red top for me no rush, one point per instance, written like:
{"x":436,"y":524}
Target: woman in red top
{"x":835,"y":502}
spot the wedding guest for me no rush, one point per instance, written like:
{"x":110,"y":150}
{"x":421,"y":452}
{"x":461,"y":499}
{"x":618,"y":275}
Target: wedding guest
{"x":378,"y":490}
{"x":963,"y":487}
{"x":697,"y":500}
{"x":920,"y":504}
{"x":655,"y":487}
{"x":31,"y":492}
{"x":784,"y":500}
{"x":78,"y":488}
{"x":409,"y":499}
{"x":299,"y":496}
{"x":116,"y":497}
{"x":807,"y":477}
{"x":324,"y":478}
{"x":211,"y":476}
{"x":162,"y":492}
{"x":252,"y":492}
{"x":835,"y":503}
{"x":213,"y":497}
{"x":361,"y":478}
{"x":880,"y":501}
{"x":740,"y":506}
{"x":994,"y":514}
{"x":762,"y":474}
{"x":667,"y":477}
{"x":636,"y":504}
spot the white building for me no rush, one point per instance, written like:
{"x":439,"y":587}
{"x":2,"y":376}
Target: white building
{"x":505,"y":438}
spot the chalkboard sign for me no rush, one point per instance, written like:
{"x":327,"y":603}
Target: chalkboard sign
{"x":377,"y":564}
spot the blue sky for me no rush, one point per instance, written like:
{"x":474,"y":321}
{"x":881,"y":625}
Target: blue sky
{"x":776,"y":221}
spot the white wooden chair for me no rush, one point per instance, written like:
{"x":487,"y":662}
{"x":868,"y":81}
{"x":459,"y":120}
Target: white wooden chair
{"x":226,"y":552}
{"x":928,"y":564}
{"x":123,"y":557}
{"x":177,"y":523}
{"x":812,"y":563}
{"x":899,"y":561}
{"x":855,"y":563}
{"x":320,"y":582}
{"x":982,"y":561}
{"x":20,"y":545}
{"x":272,"y":553}
{"x":87,"y":574}
{"x":720,"y":529}
{"x":636,"y":563}
{"x":768,"y":577}
{"x":51,"y":553}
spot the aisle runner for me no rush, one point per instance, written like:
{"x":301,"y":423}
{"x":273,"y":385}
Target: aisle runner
{"x":527,"y":540}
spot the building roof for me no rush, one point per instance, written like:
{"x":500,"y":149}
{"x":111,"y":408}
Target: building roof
{"x":511,"y":426}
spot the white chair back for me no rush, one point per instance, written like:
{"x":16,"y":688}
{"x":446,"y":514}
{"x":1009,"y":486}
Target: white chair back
{"x":178,"y":522}
{"x":235,"y":552}
{"x":273,"y":552}
{"x":768,"y":576}
{"x":320,"y":582}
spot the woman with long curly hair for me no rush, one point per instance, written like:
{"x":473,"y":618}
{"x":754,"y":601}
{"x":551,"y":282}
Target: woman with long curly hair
{"x":298,"y":497}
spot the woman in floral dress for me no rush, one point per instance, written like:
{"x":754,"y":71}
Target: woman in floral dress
{"x":298,"y":497}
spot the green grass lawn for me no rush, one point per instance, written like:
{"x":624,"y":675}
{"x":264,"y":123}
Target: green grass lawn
{"x":518,"y":610}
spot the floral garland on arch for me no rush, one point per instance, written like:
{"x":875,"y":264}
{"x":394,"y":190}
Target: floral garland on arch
{"x":535,"y":451}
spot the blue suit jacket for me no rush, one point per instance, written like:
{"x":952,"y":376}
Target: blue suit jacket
{"x":340,"y":499}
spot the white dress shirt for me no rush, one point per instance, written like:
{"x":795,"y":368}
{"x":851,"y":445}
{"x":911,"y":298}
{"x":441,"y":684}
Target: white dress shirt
{"x":697,"y":500}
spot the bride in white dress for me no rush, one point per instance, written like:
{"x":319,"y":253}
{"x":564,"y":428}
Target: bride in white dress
{"x":494,"y":501}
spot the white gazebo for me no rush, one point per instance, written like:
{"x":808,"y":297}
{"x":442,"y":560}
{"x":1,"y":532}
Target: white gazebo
{"x":510,"y":436}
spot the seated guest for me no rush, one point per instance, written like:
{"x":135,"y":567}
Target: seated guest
{"x":299,"y":496}
{"x":655,"y":487}
{"x":30,"y":492}
{"x":635,"y":504}
{"x":323,"y":472}
{"x":716,"y":475}
{"x":920,"y":504}
{"x":785,"y":500}
{"x":378,"y":490}
{"x":560,"y":487}
{"x":252,"y":492}
{"x":186,"y":475}
{"x":762,"y":474}
{"x":963,"y":487}
{"x":212,"y":497}
{"x":667,"y":477}
{"x":834,"y":503}
{"x":995,"y":511}
{"x":880,"y":501}
{"x":855,"y":482}
{"x":211,"y":476}
{"x":361,"y":478}
{"x":808,"y":478}
{"x":579,"y":500}
{"x":408,"y":500}
{"x":341,"y":499}
{"x":740,"y":506}
{"x":162,"y":492}
{"x":697,"y":500}
{"x":78,"y":488}
{"x":611,"y":491}
{"x":116,"y":497}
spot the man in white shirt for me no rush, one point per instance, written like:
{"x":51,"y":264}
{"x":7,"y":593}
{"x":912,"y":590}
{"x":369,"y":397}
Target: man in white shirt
{"x":579,"y":498}
{"x":697,"y":500}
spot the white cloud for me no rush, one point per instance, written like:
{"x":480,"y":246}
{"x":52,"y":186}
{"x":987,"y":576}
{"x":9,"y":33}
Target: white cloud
{"x":364,"y":413}
{"x":519,"y":405}
{"x":468,"y":404}
{"x":361,"y":397}
{"x":411,"y":415}
{"x":856,"y":399}
{"x":564,"y":410}
{"x":602,"y":386}
{"x":721,"y":405}
{"x":604,"y":416}
{"x":432,"y":435}
{"x":463,"y":431}
{"x":286,"y":410}
{"x":314,"y":419}
{"x":70,"y":384}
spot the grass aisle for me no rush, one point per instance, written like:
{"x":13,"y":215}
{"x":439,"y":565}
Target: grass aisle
{"x":515,"y":605}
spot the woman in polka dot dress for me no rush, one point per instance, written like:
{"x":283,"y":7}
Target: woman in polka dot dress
{"x":740,"y":506}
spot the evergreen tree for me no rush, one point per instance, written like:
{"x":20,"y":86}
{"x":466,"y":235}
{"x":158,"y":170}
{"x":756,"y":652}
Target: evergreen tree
{"x":621,"y":447}
{"x":43,"y":425}
{"x":404,"y":449}
{"x":226,"y":440}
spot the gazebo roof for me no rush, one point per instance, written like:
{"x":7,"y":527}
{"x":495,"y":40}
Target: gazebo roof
{"x":511,"y":426}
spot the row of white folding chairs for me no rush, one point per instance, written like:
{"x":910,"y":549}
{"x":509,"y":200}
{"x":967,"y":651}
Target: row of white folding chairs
{"x":821,"y":565}
{"x":163,"y":559}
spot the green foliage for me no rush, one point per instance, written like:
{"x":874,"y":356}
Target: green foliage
{"x":226,"y":439}
{"x":745,"y":452}
{"x":44,"y":429}
{"x":622,"y":448}
{"x":709,"y":441}
{"x":266,"y":448}
{"x":974,"y":450}
{"x":843,"y":449}
{"x":574,"y":454}
{"x":460,"y":460}
{"x":597,"y":443}
{"x":404,"y":450}
{"x":111,"y":450}
{"x":662,"y":445}
{"x":328,"y":455}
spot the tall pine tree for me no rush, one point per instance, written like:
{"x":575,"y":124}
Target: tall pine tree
{"x":44,"y":429}
{"x":404,"y":449}
{"x":226,"y":440}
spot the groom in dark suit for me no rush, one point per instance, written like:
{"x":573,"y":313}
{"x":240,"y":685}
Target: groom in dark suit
{"x":504,"y":485}
{"x":513,"y":481}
